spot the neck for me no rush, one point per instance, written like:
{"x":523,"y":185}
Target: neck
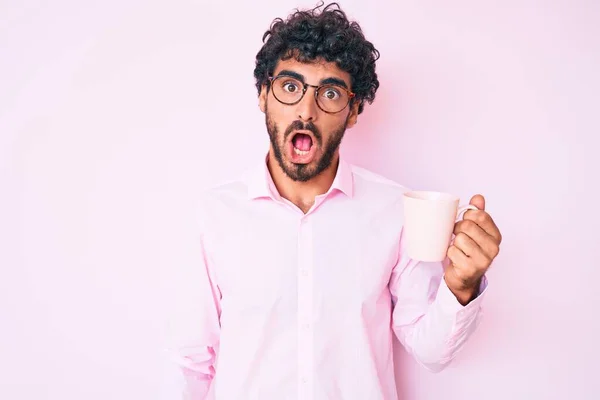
{"x":302,"y":194}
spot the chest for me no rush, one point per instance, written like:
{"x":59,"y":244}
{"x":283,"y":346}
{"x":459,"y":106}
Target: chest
{"x":267,"y":260}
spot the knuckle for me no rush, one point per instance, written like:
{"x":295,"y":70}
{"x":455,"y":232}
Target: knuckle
{"x":461,"y":239}
{"x":495,"y":251}
{"x":468,"y":225}
{"x":451,"y":251}
{"x":481,"y":216}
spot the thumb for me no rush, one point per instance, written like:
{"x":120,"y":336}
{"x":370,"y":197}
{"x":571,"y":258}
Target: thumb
{"x":478,"y":201}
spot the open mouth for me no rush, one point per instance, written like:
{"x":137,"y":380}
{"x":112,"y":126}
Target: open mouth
{"x":302,"y":143}
{"x":302,"y":147}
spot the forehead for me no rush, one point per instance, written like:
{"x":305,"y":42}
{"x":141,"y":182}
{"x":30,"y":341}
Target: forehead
{"x":314,"y":71}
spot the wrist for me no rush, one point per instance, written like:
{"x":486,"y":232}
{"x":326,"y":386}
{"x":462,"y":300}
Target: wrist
{"x":464,"y":293}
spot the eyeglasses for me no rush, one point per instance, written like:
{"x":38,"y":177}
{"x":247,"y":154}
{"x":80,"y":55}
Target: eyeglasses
{"x":330,"y":98}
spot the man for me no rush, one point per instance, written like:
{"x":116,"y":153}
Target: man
{"x":303,"y":279}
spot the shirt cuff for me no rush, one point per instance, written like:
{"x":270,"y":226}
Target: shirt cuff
{"x":450,"y":305}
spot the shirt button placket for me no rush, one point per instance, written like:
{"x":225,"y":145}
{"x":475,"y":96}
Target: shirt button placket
{"x":305,"y":305}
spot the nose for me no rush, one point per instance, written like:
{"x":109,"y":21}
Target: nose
{"x":307,"y":108}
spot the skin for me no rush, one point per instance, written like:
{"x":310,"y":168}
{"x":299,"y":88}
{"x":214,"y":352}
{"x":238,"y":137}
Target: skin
{"x":477,"y":240}
{"x":303,"y":194}
{"x":476,"y":245}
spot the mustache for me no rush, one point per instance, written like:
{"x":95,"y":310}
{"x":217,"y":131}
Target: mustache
{"x":299,"y":125}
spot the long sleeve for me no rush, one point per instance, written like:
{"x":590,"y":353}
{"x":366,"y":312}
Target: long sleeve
{"x":194,"y":332}
{"x":427,"y":318}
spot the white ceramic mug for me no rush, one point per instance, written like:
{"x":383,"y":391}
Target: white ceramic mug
{"x":429,"y":219}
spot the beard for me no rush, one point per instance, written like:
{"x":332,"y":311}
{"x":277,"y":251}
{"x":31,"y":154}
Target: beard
{"x":304,"y":172}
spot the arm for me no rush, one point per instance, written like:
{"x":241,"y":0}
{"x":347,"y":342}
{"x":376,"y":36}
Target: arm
{"x":194,"y":336}
{"x":427,"y":318}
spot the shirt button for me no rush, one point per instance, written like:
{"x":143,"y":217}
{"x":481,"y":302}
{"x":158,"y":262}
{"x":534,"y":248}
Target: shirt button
{"x":306,"y":326}
{"x":304,"y":272}
{"x":304,"y":381}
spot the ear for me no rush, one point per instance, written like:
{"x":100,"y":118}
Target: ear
{"x":353,"y":116}
{"x":262,"y":98}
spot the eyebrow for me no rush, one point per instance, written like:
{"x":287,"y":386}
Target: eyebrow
{"x":326,"y":81}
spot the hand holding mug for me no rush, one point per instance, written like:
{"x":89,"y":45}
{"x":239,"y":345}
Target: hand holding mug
{"x":430,"y":219}
{"x":476,"y":244}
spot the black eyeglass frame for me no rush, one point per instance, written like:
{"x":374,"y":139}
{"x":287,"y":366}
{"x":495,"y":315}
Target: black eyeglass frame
{"x":305,"y":86}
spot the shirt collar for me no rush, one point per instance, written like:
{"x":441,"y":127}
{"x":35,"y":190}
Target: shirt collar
{"x":260,"y":183}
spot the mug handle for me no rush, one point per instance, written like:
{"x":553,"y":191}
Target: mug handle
{"x":463,"y":209}
{"x":459,"y":215}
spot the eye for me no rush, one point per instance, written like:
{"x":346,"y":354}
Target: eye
{"x":331,"y":93}
{"x":290,"y":86}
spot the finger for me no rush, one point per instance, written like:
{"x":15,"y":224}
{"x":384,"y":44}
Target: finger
{"x":456,"y":256}
{"x":485,"y":221}
{"x":472,"y":250}
{"x":485,"y":241}
{"x":462,"y":266}
{"x":478,"y":201}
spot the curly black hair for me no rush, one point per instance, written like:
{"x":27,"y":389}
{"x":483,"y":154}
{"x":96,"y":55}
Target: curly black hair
{"x":307,"y":35}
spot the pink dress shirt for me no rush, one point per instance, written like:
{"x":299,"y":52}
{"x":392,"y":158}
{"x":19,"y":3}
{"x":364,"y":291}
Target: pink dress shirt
{"x":303,"y":306}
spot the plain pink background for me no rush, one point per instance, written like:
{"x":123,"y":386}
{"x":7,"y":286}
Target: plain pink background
{"x":115,"y":114}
